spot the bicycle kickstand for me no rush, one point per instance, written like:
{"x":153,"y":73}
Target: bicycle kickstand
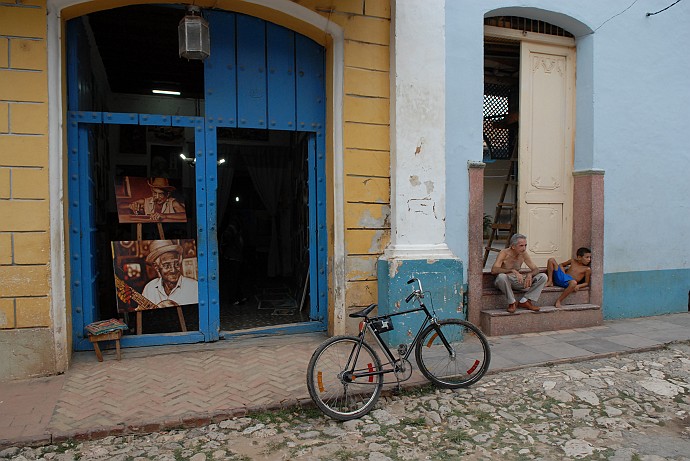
{"x":398,"y":388}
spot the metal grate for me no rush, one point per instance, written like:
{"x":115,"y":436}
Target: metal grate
{"x":499,"y":140}
{"x":526,"y":25}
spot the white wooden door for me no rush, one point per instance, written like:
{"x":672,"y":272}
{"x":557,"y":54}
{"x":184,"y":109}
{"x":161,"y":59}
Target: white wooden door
{"x":547,"y":117}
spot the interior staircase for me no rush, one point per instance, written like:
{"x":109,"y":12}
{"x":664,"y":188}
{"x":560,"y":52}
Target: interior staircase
{"x":577,"y":311}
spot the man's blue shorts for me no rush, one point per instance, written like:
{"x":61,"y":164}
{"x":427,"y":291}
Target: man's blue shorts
{"x":560,"y":278}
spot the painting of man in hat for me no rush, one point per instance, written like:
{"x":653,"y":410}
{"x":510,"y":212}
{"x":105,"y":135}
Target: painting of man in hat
{"x":152,"y":274}
{"x":156,"y":202}
{"x":166,"y":257}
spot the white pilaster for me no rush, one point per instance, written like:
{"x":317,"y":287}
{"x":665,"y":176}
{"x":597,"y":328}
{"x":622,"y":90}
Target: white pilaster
{"x":418,"y":202}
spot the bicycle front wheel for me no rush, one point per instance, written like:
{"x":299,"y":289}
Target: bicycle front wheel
{"x":335,"y":381}
{"x":460,"y":360}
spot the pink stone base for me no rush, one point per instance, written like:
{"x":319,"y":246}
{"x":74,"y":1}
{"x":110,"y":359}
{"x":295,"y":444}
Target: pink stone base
{"x":498,"y":322}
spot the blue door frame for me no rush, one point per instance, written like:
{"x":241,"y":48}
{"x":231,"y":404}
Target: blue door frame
{"x":259,"y":75}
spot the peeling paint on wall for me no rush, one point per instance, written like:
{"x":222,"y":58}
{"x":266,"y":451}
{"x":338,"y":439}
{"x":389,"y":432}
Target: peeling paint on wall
{"x":414,"y":180}
{"x":418,"y":150}
{"x":424,"y":206}
{"x":367,"y":220}
{"x":377,"y":243}
{"x":429,"y":186}
{"x":393,"y":266}
{"x":361,"y":267}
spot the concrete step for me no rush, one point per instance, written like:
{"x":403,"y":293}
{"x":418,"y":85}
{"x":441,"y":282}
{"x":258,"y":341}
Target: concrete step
{"x":498,"y":322}
{"x":492,"y":298}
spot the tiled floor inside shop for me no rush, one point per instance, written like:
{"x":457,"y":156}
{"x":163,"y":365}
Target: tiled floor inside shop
{"x":264,"y":309}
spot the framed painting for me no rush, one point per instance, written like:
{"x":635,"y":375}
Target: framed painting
{"x":153,"y":274}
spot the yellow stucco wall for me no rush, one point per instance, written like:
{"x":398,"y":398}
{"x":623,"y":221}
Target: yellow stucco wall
{"x":24,"y":228}
{"x":366,"y":139}
{"x":25,"y":290}
{"x":27,"y":337}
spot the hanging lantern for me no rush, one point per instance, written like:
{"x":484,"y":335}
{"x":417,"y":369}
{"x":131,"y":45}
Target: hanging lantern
{"x":193,"y":35}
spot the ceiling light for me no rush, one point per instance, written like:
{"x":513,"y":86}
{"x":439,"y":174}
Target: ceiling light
{"x":193,"y":35}
{"x":170,"y":92}
{"x":191,"y":161}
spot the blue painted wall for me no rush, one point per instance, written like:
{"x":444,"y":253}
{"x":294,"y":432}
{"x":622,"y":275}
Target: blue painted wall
{"x":645,"y":293}
{"x":628,"y":127}
{"x":442,"y":278}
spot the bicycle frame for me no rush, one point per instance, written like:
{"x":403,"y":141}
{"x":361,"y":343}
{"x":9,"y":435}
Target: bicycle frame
{"x":392,"y":361}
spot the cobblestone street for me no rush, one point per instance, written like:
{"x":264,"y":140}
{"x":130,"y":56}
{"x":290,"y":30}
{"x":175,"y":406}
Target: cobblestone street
{"x":628,"y":407}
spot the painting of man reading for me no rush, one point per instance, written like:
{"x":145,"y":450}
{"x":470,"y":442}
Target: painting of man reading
{"x":141,"y":200}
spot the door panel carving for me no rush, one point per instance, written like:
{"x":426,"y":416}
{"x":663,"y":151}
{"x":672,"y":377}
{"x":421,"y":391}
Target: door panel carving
{"x":547,"y":85}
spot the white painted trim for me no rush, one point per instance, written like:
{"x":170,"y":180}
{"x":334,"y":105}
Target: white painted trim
{"x":339,"y":317}
{"x":520,"y":36}
{"x":421,"y":251}
{"x":58,"y":300}
{"x":55,"y":147}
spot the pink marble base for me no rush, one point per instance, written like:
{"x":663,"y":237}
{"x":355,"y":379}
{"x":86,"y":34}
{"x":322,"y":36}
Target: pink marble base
{"x":588,"y":225}
{"x":475,"y":242}
{"x":588,"y":231}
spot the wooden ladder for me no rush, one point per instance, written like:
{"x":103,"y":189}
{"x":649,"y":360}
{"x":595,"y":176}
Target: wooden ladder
{"x":511,"y":226}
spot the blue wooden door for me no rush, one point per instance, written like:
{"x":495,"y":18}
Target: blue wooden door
{"x":259,"y":76}
{"x":264,"y":76}
{"x":83,"y":231}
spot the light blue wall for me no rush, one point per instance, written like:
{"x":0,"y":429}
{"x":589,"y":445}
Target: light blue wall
{"x":442,"y":284}
{"x":638,"y":294}
{"x":633,"y":107}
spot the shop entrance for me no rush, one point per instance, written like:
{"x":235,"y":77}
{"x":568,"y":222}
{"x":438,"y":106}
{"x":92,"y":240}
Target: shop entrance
{"x":240,"y":168}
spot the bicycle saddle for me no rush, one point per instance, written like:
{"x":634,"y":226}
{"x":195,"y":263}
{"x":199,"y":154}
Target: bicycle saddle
{"x":364,"y":312}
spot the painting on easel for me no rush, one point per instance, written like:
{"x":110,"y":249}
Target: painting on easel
{"x":142,"y":200}
{"x":153,"y":274}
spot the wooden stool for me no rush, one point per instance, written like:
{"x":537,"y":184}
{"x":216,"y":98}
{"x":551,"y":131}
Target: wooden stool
{"x":112,"y":336}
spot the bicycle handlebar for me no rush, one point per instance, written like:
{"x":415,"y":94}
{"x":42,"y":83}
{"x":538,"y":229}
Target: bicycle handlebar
{"x":418,"y":292}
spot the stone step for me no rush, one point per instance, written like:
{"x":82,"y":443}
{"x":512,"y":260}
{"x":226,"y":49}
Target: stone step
{"x":492,"y":298}
{"x":498,"y":322}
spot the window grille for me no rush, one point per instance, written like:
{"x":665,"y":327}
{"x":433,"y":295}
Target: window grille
{"x":499,"y":140}
{"x":526,"y":25}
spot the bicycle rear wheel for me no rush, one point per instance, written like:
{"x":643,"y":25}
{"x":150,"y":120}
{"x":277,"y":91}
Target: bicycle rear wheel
{"x":331,"y":383}
{"x":464,"y":363}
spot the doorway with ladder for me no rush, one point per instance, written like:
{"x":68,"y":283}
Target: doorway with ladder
{"x":529,"y":93}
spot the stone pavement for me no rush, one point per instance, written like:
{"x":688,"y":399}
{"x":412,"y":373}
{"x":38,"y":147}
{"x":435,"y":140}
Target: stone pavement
{"x":159,"y":388}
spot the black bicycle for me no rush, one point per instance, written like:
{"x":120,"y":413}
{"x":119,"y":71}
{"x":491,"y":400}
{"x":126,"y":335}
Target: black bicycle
{"x":345,"y":375}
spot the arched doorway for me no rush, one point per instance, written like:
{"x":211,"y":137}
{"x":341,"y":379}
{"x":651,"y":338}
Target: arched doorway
{"x":242,"y":144}
{"x":529,"y":136}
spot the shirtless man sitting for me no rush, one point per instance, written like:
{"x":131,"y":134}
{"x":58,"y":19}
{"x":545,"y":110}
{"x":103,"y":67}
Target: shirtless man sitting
{"x":573,"y":278}
{"x":508,"y":276}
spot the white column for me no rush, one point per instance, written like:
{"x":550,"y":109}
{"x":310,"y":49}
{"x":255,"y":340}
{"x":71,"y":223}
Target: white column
{"x":418,"y":184}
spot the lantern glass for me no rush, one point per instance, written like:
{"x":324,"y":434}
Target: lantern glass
{"x":194,"y":39}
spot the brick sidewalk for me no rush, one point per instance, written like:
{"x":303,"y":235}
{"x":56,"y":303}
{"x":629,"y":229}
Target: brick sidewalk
{"x":160,"y":388}
{"x":26,"y":408}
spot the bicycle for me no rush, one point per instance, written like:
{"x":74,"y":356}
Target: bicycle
{"x":345,"y":376}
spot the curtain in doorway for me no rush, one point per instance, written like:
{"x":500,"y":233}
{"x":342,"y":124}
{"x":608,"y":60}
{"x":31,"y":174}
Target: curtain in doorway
{"x":268,"y":168}
{"x":226,"y":172}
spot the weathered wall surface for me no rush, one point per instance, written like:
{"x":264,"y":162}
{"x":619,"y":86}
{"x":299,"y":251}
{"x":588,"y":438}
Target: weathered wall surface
{"x":631,"y":100}
{"x":366,"y":139}
{"x":27,"y":336}
{"x":26,"y":339}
